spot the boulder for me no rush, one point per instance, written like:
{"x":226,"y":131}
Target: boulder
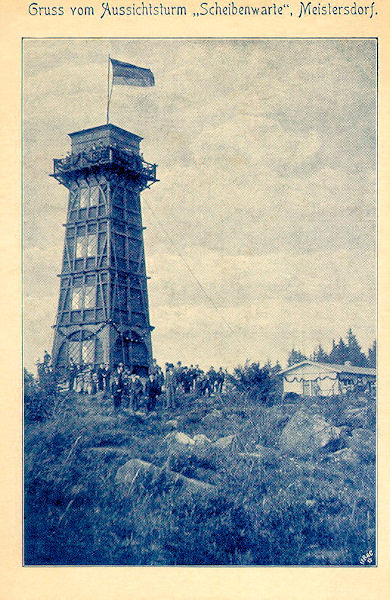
{"x":225,"y":443}
{"x":201,"y":440}
{"x":136,"y":469}
{"x":172,"y":424}
{"x":307,"y":433}
{"x":179,"y":438}
{"x":346,"y":455}
{"x":355,"y":417}
{"x":363,"y":443}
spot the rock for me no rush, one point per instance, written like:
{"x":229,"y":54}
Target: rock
{"x":172,"y":424}
{"x":225,"y":443}
{"x":355,"y":417}
{"x":178,"y":437}
{"x":212,"y":418}
{"x":201,"y":440}
{"x":345,"y":430}
{"x":307,"y":433}
{"x":346,"y":455}
{"x":136,"y":469}
{"x":362,"y":441}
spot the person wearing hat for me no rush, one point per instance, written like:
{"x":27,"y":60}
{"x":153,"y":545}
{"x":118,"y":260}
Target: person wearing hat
{"x":117,"y":387}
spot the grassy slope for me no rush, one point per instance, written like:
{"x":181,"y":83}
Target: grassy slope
{"x":274,"y":508}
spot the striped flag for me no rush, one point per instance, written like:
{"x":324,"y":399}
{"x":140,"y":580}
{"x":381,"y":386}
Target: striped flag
{"x":126,"y":74}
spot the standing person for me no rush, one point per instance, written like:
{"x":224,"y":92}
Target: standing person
{"x":197,"y":373}
{"x":220,"y":379}
{"x":94,"y":381}
{"x":170,"y":387}
{"x":200,"y":384}
{"x":72,"y":370}
{"x":212,"y":378}
{"x":126,"y":379}
{"x":136,"y":391}
{"x":178,"y":370}
{"x":100,"y":375}
{"x":160,"y":377}
{"x":186,"y":380}
{"x":117,"y":387}
{"x":152,"y":390}
{"x":106,"y":378}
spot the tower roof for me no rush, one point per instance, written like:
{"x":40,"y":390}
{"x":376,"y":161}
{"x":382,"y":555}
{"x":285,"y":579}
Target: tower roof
{"x":106,"y":135}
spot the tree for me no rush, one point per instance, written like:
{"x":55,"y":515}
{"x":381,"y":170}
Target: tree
{"x":40,"y":394}
{"x":295,"y":357}
{"x":355,"y":354}
{"x":339,"y":352}
{"x":319,"y":354}
{"x":372,"y":355}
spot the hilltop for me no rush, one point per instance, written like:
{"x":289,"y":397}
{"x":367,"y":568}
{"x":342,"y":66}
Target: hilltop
{"x":223,"y":480}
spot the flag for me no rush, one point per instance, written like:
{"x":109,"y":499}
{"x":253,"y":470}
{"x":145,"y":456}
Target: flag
{"x":126,"y":74}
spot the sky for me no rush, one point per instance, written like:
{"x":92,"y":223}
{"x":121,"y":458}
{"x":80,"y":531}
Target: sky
{"x":261,"y":233}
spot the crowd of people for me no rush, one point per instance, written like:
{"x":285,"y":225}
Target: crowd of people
{"x":129,"y":390}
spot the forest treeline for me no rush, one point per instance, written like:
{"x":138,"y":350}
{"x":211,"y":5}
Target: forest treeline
{"x":341,"y":352}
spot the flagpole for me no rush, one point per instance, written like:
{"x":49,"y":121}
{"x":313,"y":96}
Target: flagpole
{"x":108,"y":90}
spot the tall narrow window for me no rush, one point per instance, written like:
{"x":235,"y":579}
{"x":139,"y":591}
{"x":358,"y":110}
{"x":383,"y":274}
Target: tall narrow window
{"x":90,"y":296}
{"x":84,"y":197}
{"x":77,"y":298}
{"x":91,"y":245}
{"x":88,"y":351}
{"x":94,"y":195}
{"x":80,"y":246}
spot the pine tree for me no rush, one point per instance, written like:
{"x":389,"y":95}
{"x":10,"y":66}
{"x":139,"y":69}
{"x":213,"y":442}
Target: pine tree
{"x":339,"y":352}
{"x":372,"y":355}
{"x":319,"y":354}
{"x":295,"y":357}
{"x":354,"y":351}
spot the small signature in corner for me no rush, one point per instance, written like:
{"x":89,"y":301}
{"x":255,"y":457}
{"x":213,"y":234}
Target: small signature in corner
{"x":368,"y":558}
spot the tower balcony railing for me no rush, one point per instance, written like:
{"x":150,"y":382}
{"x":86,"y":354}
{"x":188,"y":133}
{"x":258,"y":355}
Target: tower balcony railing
{"x":101,"y":156}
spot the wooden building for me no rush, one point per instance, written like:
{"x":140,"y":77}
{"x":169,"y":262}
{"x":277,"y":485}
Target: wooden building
{"x":310,"y":378}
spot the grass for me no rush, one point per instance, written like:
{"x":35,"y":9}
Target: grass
{"x":273,"y":508}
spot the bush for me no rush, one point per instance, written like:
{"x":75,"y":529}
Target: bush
{"x":259,"y":384}
{"x":39,"y":396}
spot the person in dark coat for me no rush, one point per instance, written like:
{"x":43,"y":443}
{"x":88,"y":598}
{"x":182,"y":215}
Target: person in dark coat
{"x":136,"y":391}
{"x":117,"y":387}
{"x":100,"y":375}
{"x":186,"y":380}
{"x":220,"y":379}
{"x":170,"y":387}
{"x":212,"y":378}
{"x":126,"y":387}
{"x":152,"y":390}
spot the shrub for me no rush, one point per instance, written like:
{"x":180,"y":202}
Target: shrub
{"x":39,"y":396}
{"x":259,"y":384}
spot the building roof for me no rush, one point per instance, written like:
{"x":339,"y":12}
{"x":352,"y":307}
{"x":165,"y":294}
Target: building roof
{"x":106,"y":127}
{"x":345,"y":368}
